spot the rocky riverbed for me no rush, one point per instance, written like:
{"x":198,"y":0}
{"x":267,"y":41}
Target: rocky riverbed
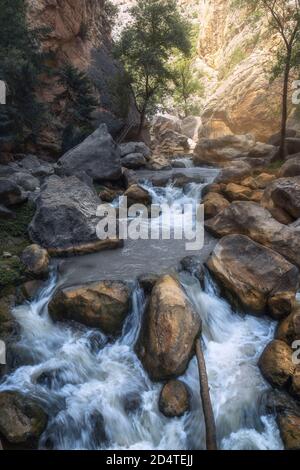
{"x":100,"y":334}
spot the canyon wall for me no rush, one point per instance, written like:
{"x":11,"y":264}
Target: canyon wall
{"x":234,"y":55}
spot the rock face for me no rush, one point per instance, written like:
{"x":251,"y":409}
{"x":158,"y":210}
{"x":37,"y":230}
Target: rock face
{"x":168,"y":333}
{"x":102,"y":305}
{"x":248,"y":218}
{"x":174,"y":399}
{"x":65,"y":219}
{"x":98,"y":155}
{"x":36,"y":260}
{"x":234,"y":56}
{"x":260,"y":278}
{"x":21,"y":420}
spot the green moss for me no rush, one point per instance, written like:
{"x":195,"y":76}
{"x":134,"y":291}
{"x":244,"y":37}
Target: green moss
{"x":11,"y":271}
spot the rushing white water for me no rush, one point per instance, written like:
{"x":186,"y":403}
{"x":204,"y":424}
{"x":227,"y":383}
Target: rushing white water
{"x":98,"y":396}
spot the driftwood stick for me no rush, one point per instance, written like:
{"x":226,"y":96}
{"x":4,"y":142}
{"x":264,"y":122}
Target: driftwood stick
{"x":211,"y":439}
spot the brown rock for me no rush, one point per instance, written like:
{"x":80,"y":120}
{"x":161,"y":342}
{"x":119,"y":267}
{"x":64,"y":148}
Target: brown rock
{"x":236,"y":192}
{"x":174,"y":399}
{"x":31,"y":288}
{"x":285,"y":194}
{"x":213,"y":204}
{"x":289,"y":329}
{"x":289,"y":425}
{"x":295,"y":387}
{"x":169,"y":330}
{"x":260,"y":278}
{"x":280,"y":215}
{"x":108,"y":194}
{"x":236,"y":172}
{"x":21,"y":420}
{"x":102,"y":305}
{"x":36,"y":261}
{"x":148,"y":281}
{"x":264,"y":179}
{"x":249,"y":182}
{"x":276,"y":363}
{"x":249,"y":218}
{"x":137,"y":195}
{"x":291,"y":167}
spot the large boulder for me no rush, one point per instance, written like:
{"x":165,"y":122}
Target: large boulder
{"x":236,"y":172}
{"x":261,"y":279}
{"x":35,"y":260}
{"x":98,"y":155}
{"x":249,"y":218}
{"x":276,"y":364}
{"x":22,"y":421}
{"x":292,"y":145}
{"x":102,"y":305}
{"x":65,"y":219}
{"x":170,"y":327}
{"x":224,"y":150}
{"x":174,"y":399}
{"x":284,"y":193}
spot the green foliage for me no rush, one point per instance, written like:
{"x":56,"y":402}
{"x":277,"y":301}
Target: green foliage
{"x":187,"y":85}
{"x":120,"y":93}
{"x":79,"y":102}
{"x":111,"y":11}
{"x":21,"y":65}
{"x":157,"y":30}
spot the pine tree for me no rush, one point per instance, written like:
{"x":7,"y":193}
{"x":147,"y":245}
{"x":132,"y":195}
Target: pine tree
{"x":79,"y":102}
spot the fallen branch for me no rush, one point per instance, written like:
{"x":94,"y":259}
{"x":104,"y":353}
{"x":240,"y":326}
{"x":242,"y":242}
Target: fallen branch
{"x":211,"y":439}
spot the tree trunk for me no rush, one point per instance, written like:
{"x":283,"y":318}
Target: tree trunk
{"x":142,"y":121}
{"x":211,"y":439}
{"x":282,"y":149}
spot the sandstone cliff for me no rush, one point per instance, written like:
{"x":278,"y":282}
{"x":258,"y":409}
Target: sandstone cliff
{"x":234,"y":55}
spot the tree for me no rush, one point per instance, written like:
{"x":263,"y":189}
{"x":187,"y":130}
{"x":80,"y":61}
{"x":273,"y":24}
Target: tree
{"x":187,"y":85}
{"x":21,"y":65}
{"x":155,"y":32}
{"x":79,"y":102}
{"x":284,"y":19}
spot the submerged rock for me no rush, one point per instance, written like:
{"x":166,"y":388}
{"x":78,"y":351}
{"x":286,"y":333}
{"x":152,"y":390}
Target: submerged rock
{"x":102,"y":305}
{"x":174,"y":399}
{"x":170,"y":327}
{"x":22,"y":421}
{"x":249,"y":218}
{"x":98,"y":155}
{"x":260,"y":278}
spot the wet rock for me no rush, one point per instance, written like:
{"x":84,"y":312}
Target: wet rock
{"x":135,"y":148}
{"x":289,"y":425}
{"x":137,"y":195}
{"x":102,"y":305}
{"x":109,"y":194}
{"x":249,"y":218}
{"x":276,"y":364}
{"x":22,"y":421}
{"x":10,"y":193}
{"x":174,"y":399}
{"x":260,"y":278}
{"x":36,"y":261}
{"x":289,"y":329}
{"x":194,"y":266}
{"x":65,"y":220}
{"x":98,"y":155}
{"x":295,"y":386}
{"x":213,"y":204}
{"x":284,"y":193}
{"x":148,"y":281}
{"x":170,"y":327}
